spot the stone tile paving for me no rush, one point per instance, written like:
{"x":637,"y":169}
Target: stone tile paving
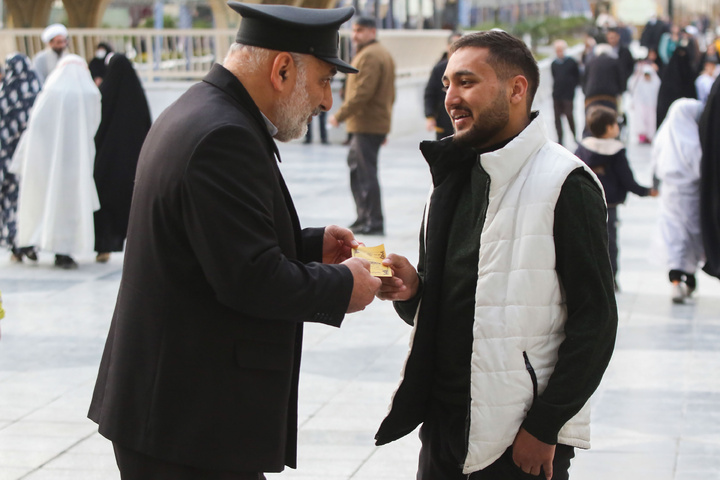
{"x":656,"y":413}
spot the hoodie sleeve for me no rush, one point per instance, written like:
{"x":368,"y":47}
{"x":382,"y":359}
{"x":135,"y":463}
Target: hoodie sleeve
{"x":626,"y":177}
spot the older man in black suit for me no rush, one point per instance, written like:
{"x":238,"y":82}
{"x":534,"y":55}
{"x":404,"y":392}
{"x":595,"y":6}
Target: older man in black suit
{"x":199,"y":376}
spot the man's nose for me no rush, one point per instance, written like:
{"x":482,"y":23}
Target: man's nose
{"x":327,"y":101}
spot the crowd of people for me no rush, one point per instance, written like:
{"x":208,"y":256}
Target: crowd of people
{"x":678,"y":63}
{"x":70,"y":137}
{"x":512,"y":302}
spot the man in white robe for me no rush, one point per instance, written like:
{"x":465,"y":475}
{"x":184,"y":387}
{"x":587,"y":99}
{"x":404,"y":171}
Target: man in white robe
{"x":54,"y":162}
{"x":676,"y":164}
{"x":55,"y":37}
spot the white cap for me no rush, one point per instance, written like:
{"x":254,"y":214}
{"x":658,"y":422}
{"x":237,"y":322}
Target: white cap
{"x":53,"y":31}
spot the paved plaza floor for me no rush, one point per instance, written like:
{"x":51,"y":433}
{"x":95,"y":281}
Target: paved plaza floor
{"x":656,"y":413}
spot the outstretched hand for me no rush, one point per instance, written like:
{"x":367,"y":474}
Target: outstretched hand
{"x":338,"y":243}
{"x":403,"y":285}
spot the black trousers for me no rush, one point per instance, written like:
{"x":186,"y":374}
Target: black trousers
{"x":563,"y":108}
{"x":362,"y":160}
{"x":439,"y":460}
{"x":138,"y":466}
{"x":612,"y":223}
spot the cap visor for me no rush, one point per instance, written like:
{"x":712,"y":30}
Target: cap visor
{"x":341,"y":66}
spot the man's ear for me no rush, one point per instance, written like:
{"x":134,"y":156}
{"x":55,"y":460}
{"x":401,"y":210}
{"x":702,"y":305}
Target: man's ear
{"x":518,"y":89}
{"x":283,"y":70}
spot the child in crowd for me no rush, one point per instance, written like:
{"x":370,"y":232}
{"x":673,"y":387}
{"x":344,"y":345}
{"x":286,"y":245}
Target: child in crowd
{"x":644,"y":87}
{"x":605,"y":155}
{"x":704,"y":81}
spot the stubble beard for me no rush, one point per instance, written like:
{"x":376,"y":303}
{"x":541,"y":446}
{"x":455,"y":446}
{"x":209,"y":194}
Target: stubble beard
{"x":295,"y":111}
{"x":486,"y":124}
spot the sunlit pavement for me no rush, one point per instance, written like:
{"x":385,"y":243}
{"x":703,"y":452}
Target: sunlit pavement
{"x":656,"y":414}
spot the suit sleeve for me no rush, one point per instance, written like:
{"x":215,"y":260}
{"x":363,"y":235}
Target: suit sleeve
{"x":230,"y":206}
{"x":583,"y":266}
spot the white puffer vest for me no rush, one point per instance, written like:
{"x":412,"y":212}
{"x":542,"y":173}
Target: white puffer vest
{"x":520,"y":308}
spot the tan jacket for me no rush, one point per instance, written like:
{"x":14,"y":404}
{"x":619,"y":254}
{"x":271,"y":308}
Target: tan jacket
{"x":369,"y":94}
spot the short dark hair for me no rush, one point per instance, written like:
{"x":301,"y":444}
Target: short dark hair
{"x":367,"y":22}
{"x":599,"y":118}
{"x":508,"y":56}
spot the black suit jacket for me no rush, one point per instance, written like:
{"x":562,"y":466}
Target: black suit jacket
{"x":202,"y":359}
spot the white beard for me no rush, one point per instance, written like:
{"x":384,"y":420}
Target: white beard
{"x":295,"y":111}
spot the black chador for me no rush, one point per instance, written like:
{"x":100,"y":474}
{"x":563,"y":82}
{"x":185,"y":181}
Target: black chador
{"x":125,"y":122}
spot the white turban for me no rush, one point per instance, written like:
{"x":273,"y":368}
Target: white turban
{"x":53,"y":31}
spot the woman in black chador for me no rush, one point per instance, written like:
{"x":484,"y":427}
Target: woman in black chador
{"x":125,"y":122}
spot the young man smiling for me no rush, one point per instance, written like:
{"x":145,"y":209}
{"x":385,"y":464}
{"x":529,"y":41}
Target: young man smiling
{"x":512,"y":301}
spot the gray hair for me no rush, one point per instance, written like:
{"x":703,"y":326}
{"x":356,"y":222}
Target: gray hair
{"x":255,"y":57}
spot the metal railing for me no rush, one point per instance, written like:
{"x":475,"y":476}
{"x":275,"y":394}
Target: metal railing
{"x":174,"y":54}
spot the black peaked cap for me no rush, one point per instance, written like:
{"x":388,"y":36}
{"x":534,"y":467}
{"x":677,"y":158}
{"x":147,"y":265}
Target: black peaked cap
{"x":312,"y":31}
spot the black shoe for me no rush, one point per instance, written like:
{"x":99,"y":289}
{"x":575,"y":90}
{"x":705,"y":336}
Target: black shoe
{"x":357,"y":223}
{"x":16,"y":255}
{"x":65,"y":262}
{"x":370,"y":230}
{"x":30,"y":253}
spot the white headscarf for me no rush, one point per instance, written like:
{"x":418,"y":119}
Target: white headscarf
{"x":53,"y":31}
{"x":55,"y":159}
{"x":676,"y":148}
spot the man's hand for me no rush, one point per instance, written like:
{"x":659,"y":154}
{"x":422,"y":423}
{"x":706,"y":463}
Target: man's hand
{"x":532,"y":455}
{"x":365,"y":286}
{"x":403,"y":285}
{"x":333,"y":121}
{"x":338,"y":243}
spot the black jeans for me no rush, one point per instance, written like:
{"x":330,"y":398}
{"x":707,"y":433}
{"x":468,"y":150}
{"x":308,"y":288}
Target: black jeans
{"x":362,"y":160}
{"x":440,"y":460}
{"x":138,"y":466}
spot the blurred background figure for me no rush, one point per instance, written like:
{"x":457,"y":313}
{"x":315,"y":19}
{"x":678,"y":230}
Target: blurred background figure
{"x":322,"y":121}
{"x":603,"y":82}
{"x":54,"y":163}
{"x":644,"y":88}
{"x":678,"y":80}
{"x":704,"y":81}
{"x":566,"y":78}
{"x":625,"y":58}
{"x":97,"y":64}
{"x":437,"y":118}
{"x":125,"y":122}
{"x":653,"y":31}
{"x":676,"y":158}
{"x":18,"y":90}
{"x":55,"y":37}
{"x":668,"y":42}
{"x":367,"y":111}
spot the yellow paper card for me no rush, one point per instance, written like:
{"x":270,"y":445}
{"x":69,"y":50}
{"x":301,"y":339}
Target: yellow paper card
{"x":374,"y":255}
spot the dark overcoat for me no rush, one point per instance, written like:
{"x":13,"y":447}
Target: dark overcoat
{"x":202,"y":359}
